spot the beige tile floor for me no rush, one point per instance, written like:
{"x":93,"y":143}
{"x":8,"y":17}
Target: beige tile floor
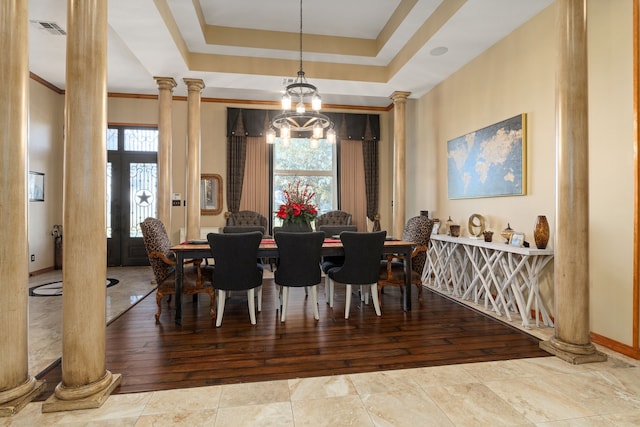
{"x":45,"y":313}
{"x":527,"y":392}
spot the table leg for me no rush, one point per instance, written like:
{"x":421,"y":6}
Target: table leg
{"x":481,"y":264}
{"x":407,"y":280}
{"x":534,"y":270}
{"x":429,"y":269}
{"x":178,"y":296}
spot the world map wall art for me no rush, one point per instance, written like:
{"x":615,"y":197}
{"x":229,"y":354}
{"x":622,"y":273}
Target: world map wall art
{"x":489,"y":162}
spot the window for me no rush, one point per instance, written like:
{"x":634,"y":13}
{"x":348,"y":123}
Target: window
{"x":139,"y":139}
{"x":314,"y":166}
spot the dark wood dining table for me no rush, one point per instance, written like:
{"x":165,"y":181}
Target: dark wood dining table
{"x":199,"y":249}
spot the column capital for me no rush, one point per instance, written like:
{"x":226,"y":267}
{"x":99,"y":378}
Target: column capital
{"x":165,"y":82}
{"x":194,"y":84}
{"x":399,"y":96}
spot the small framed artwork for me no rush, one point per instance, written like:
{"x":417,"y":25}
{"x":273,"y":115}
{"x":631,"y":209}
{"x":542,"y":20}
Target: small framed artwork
{"x":517,"y":239}
{"x":36,"y":186}
{"x":436,"y":228}
{"x":210,"y":194}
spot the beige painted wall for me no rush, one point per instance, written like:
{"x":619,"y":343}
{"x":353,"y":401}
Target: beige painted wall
{"x":213,"y":151}
{"x":46,"y":115}
{"x":611,"y":156}
{"x":515,"y":76}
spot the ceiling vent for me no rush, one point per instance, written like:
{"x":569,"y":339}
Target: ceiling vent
{"x":50,"y":27}
{"x":286,"y":81}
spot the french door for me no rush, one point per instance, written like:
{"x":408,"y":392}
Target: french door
{"x":132,"y":181}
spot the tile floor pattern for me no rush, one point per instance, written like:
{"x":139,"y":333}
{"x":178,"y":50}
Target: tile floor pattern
{"x":45,"y":313}
{"x":526,"y":392}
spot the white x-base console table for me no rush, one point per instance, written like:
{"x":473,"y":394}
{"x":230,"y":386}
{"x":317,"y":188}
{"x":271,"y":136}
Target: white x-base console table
{"x":502,"y":277}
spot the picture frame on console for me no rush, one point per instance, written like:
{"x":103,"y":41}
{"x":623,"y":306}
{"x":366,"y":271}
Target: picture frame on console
{"x":517,"y":239}
{"x":436,"y":228}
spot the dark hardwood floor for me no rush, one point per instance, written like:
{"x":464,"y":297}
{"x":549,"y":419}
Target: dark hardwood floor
{"x":168,"y":356}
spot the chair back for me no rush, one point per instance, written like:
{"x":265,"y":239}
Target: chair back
{"x":333,"y":218}
{"x":235,"y":256}
{"x":156,"y":240}
{"x":299,"y":258}
{"x":418,"y":230}
{"x":335,"y":230}
{"x":243,"y":228}
{"x":362,"y":253}
{"x":248,"y":218}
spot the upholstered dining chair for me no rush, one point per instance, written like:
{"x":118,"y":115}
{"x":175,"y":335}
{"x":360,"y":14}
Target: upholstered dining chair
{"x":332,"y":223}
{"x":243,"y":228}
{"x":362,"y":253}
{"x":333,"y":218}
{"x":163,"y":264}
{"x":247,"y":219}
{"x":326,"y":265}
{"x":298,"y":266}
{"x":236,"y":268}
{"x":416,"y":230}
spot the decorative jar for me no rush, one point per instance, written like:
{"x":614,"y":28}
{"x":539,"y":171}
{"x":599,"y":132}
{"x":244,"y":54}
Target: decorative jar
{"x":541,"y":232}
{"x":507,"y":233}
{"x":447,"y":226}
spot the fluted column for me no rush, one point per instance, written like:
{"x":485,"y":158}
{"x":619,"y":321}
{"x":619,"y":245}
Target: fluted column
{"x":165,"y":96}
{"x":17,"y":387}
{"x":571,"y":340}
{"x":194,"y":86}
{"x":86,"y":383}
{"x":399,"y":161}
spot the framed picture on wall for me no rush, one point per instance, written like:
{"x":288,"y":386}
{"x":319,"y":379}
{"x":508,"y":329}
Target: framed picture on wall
{"x":210,"y":194}
{"x":489,"y":162}
{"x":36,"y":186}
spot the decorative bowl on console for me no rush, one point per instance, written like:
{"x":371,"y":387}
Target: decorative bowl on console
{"x":507,"y":233}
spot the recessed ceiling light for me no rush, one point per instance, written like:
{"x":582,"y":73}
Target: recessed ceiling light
{"x":440,"y":50}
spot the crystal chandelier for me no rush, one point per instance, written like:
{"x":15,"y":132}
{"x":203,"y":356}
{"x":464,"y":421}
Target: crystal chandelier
{"x":301,"y":120}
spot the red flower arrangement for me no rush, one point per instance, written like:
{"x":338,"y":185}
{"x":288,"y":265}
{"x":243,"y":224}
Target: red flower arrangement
{"x":297,"y":206}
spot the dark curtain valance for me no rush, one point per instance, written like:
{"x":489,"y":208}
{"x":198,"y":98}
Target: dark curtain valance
{"x":347,"y":126}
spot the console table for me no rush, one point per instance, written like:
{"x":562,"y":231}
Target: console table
{"x":502,"y":277}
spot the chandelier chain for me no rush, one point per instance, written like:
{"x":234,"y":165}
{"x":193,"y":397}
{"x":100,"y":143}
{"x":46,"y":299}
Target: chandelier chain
{"x":301,"y":120}
{"x":301,"y":35}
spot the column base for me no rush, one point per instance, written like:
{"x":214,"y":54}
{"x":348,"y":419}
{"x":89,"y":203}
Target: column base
{"x":574,"y":354}
{"x":14,"y":406}
{"x":54,"y":404}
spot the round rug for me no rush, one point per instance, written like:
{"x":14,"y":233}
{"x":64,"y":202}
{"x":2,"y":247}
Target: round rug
{"x":54,"y":289}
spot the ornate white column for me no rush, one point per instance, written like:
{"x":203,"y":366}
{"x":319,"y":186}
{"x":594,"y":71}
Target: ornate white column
{"x":86,"y":383}
{"x":165,"y":96}
{"x":399,"y":161}
{"x":17,"y":387}
{"x":194,"y":86}
{"x":571,"y":340}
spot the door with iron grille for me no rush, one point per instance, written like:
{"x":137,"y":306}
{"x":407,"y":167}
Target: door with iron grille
{"x":132,"y":182}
